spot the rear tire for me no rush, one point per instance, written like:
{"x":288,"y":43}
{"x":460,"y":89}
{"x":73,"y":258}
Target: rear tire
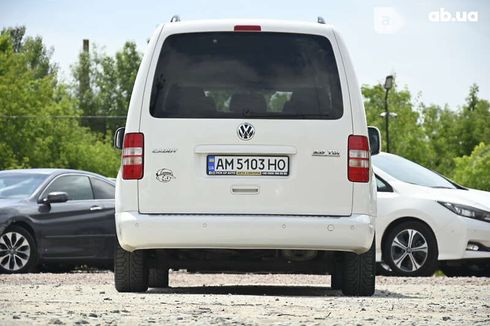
{"x":158,"y":278}
{"x":130,"y":270}
{"x":359,"y":273}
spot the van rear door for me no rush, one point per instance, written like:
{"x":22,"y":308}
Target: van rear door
{"x":246,"y":123}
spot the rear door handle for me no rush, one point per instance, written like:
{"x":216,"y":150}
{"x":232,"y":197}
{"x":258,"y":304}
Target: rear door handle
{"x":95,"y":208}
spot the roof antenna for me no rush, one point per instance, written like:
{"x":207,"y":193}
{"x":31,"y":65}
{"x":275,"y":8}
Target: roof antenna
{"x":320,"y":20}
{"x":175,"y":18}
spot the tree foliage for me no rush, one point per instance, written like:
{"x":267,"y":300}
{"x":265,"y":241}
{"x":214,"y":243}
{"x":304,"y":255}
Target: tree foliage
{"x":39,"y":125}
{"x":103,"y":86}
{"x":474,"y":170}
{"x":430,"y":135}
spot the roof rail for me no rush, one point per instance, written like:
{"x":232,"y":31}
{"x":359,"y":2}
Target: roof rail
{"x":175,"y":18}
{"x":320,"y":20}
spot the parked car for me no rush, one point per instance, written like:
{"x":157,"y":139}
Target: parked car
{"x":56,"y":218}
{"x":245,"y":148}
{"x":426,"y":221}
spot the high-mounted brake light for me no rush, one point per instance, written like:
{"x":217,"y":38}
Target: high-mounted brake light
{"x":247,"y":28}
{"x":358,"y":159}
{"x":132,"y":156}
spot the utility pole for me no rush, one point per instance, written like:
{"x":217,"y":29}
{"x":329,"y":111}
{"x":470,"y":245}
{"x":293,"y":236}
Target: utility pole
{"x":85,"y":46}
{"x":84,"y":69}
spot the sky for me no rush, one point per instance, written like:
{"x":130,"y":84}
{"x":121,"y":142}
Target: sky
{"x":437,"y":49}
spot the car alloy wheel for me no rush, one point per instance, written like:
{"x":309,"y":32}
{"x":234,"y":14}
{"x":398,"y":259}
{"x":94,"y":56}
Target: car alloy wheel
{"x":409,"y":250}
{"x":15,"y":251}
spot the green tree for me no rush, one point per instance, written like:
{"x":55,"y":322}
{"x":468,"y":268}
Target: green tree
{"x":473,"y":125}
{"x":84,"y":74}
{"x":455,"y":133}
{"x":473,"y":170}
{"x":439,"y":128}
{"x":37,"y":56}
{"x":104,"y":85}
{"x":407,"y":136}
{"x":37,"y":128}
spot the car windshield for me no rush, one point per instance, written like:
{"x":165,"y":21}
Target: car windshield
{"x":19,"y":185}
{"x":410,"y":172}
{"x":246,"y":75}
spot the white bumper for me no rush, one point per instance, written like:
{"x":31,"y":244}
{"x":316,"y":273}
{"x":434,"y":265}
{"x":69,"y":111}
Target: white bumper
{"x":455,"y":238}
{"x":141,"y":231}
{"x":477,"y":232}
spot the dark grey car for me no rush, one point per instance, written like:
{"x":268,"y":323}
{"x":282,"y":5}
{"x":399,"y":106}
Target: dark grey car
{"x":55,"y":217}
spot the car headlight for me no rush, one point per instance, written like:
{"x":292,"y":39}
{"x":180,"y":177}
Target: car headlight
{"x":467,"y":211}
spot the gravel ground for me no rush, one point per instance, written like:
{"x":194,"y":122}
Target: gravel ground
{"x":90,"y":298}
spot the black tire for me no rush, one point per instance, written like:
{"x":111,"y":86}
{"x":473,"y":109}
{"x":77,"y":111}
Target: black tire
{"x":415,"y":263}
{"x":158,"y":278}
{"x":18,"y":251}
{"x":130,"y":270}
{"x":359,"y":273}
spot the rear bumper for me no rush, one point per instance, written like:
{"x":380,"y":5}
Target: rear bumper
{"x":141,"y":231}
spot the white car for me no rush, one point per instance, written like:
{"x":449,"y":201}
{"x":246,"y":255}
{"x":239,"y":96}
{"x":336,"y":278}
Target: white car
{"x":425,"y":221}
{"x":245,"y":149}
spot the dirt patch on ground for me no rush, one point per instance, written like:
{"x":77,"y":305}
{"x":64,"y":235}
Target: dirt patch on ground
{"x":90,"y":298}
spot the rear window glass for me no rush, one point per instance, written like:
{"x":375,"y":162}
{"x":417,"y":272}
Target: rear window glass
{"x":102,"y":190}
{"x":246,"y":75}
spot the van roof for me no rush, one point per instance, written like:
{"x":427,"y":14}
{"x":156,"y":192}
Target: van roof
{"x":267,"y":25}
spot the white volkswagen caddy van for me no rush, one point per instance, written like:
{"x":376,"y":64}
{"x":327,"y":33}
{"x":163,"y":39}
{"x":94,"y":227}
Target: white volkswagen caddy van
{"x":245,"y":149}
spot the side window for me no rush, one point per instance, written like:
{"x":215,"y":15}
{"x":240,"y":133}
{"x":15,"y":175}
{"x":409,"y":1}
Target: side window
{"x":382,"y":185}
{"x":76,"y":186}
{"x":102,"y":190}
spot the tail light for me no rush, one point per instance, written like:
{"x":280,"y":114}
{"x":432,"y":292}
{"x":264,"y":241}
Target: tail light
{"x":358,"y":159}
{"x":132,"y":156}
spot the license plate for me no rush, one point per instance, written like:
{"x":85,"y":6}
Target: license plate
{"x":247,"y":165}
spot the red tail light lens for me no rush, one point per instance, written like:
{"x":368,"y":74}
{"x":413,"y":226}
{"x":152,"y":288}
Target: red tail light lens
{"x":247,"y":28}
{"x":132,"y":156}
{"x":358,"y":159}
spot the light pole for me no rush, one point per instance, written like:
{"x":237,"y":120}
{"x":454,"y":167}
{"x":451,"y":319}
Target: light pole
{"x":387,"y":86}
{"x":392,"y":115}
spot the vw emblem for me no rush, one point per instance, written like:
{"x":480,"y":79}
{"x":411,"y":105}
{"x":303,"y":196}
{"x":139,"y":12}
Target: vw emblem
{"x":245,"y":131}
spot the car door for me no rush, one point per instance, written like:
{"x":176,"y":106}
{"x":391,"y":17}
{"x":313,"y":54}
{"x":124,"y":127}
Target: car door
{"x":73,"y":229}
{"x":104,"y":193}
